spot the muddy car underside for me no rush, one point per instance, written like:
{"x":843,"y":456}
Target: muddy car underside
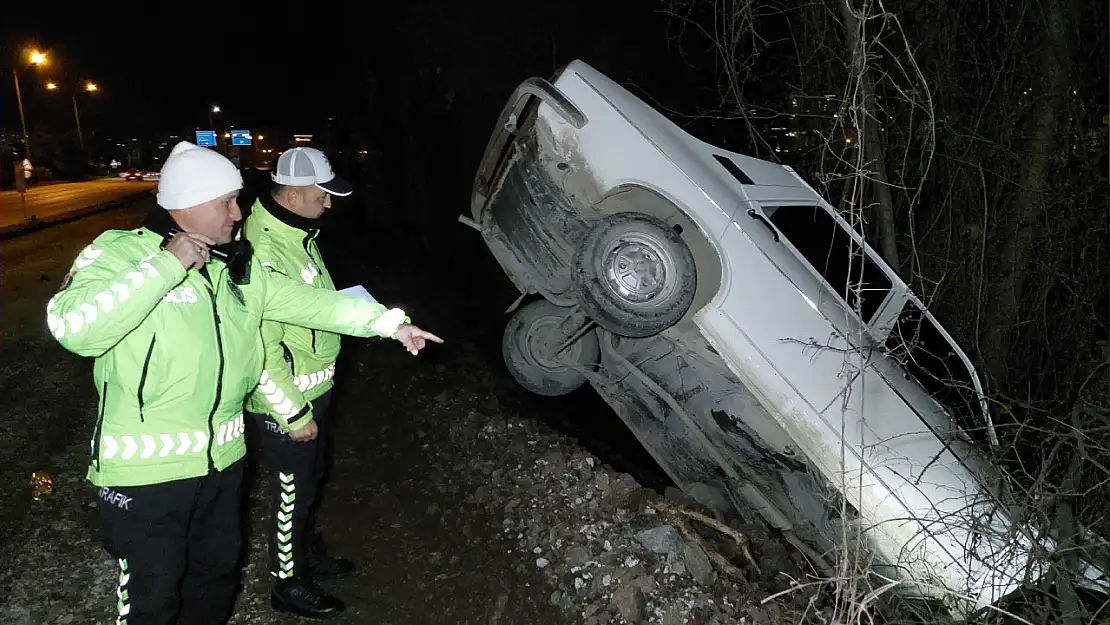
{"x":671,"y":388}
{"x":621,"y":289}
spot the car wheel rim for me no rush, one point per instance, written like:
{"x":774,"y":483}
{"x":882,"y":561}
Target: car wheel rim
{"x":639,"y":269}
{"x":534,"y":338}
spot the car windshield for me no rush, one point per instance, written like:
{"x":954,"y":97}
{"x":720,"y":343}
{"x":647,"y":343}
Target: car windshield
{"x":927,"y":354}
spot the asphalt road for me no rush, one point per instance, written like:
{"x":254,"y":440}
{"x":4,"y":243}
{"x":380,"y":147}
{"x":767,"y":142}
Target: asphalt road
{"x":52,"y":200}
{"x":406,"y":462}
{"x":33,"y":365}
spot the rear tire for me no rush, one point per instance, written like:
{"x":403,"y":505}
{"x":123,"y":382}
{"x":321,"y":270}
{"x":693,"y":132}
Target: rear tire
{"x":634,"y":275}
{"x":520,"y":345}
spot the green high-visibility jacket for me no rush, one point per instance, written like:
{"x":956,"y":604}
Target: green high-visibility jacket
{"x":176,"y":353}
{"x":299,"y":361}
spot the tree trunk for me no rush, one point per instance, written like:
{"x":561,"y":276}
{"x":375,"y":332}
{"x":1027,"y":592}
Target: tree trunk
{"x":1070,"y":606}
{"x":1018,"y":236}
{"x":870,"y":145}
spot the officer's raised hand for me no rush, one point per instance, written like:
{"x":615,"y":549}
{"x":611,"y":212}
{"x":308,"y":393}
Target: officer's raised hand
{"x":414,"y":339}
{"x":191,"y":248}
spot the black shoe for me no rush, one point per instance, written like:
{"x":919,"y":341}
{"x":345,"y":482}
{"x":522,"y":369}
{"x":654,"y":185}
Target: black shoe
{"x":304,"y":598}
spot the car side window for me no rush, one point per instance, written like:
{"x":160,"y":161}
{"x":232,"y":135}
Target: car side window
{"x":928,"y":356}
{"x":830,"y":249}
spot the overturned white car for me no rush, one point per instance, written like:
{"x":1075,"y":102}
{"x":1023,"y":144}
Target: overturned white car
{"x":747,"y":335}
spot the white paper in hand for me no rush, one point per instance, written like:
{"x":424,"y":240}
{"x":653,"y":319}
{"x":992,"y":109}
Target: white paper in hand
{"x":360,"y":292}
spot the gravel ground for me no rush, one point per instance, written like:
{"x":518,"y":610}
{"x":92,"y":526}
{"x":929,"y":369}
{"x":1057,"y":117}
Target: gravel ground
{"x":460,"y":510}
{"x":449,"y":486}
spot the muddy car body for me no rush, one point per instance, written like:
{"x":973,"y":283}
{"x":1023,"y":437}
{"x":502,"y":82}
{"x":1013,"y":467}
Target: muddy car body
{"x":747,"y":335}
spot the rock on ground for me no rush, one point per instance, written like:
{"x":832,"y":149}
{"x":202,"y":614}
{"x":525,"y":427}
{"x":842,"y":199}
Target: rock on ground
{"x":459,"y":509}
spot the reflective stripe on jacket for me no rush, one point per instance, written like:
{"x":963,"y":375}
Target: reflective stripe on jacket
{"x":299,"y":362}
{"x":176,"y":353}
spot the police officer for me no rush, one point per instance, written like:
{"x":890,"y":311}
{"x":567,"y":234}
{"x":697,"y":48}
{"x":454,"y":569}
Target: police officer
{"x":171,"y":314}
{"x":291,"y":410}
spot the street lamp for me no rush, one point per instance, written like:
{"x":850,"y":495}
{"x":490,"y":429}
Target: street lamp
{"x":34,"y":57}
{"x":90,"y":87}
{"x":214,"y":109}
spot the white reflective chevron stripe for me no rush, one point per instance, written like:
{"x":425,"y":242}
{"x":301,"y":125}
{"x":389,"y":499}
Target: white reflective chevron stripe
{"x":281,"y":404}
{"x":89,"y":311}
{"x":389,"y":321}
{"x":230,"y":430}
{"x":106,"y":302}
{"x":123,"y":599}
{"x":164,"y":445}
{"x":284,"y":532}
{"x":308,"y":381}
{"x":129,"y":448}
{"x":167,"y":445}
{"x":76,"y":322}
{"x":201,"y":439}
{"x":148,"y":446}
{"x":55,"y":323}
{"x":309,"y":273}
{"x":136,"y":279}
{"x":73,"y":322}
{"x":145,"y":265}
{"x":87,"y":257}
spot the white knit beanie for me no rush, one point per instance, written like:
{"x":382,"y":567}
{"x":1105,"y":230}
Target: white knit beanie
{"x":193,"y":175}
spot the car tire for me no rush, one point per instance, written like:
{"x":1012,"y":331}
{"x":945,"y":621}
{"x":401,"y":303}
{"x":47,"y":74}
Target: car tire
{"x":520,"y":343}
{"x":634,"y":275}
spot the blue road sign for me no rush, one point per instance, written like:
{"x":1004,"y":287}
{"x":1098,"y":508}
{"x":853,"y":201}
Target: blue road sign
{"x":206,"y":138}
{"x":241,"y":137}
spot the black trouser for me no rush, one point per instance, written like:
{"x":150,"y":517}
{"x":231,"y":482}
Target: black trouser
{"x":177,"y":544}
{"x":297,"y":468}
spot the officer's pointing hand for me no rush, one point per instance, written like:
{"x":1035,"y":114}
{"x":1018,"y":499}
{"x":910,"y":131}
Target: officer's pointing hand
{"x":414,"y":339}
{"x":191,"y":248}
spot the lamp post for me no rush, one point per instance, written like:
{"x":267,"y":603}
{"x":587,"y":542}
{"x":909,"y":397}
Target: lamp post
{"x":89,"y":87}
{"x":215,"y":110}
{"x":35,"y":58}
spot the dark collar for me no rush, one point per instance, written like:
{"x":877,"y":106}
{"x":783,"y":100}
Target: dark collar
{"x":288,"y":217}
{"x":235,"y":254}
{"x":159,"y":221}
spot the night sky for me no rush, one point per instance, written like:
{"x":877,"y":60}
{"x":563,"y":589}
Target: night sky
{"x":287,"y":65}
{"x":263,"y":64}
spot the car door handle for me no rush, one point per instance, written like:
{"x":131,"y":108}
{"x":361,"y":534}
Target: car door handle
{"x":756,"y":215}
